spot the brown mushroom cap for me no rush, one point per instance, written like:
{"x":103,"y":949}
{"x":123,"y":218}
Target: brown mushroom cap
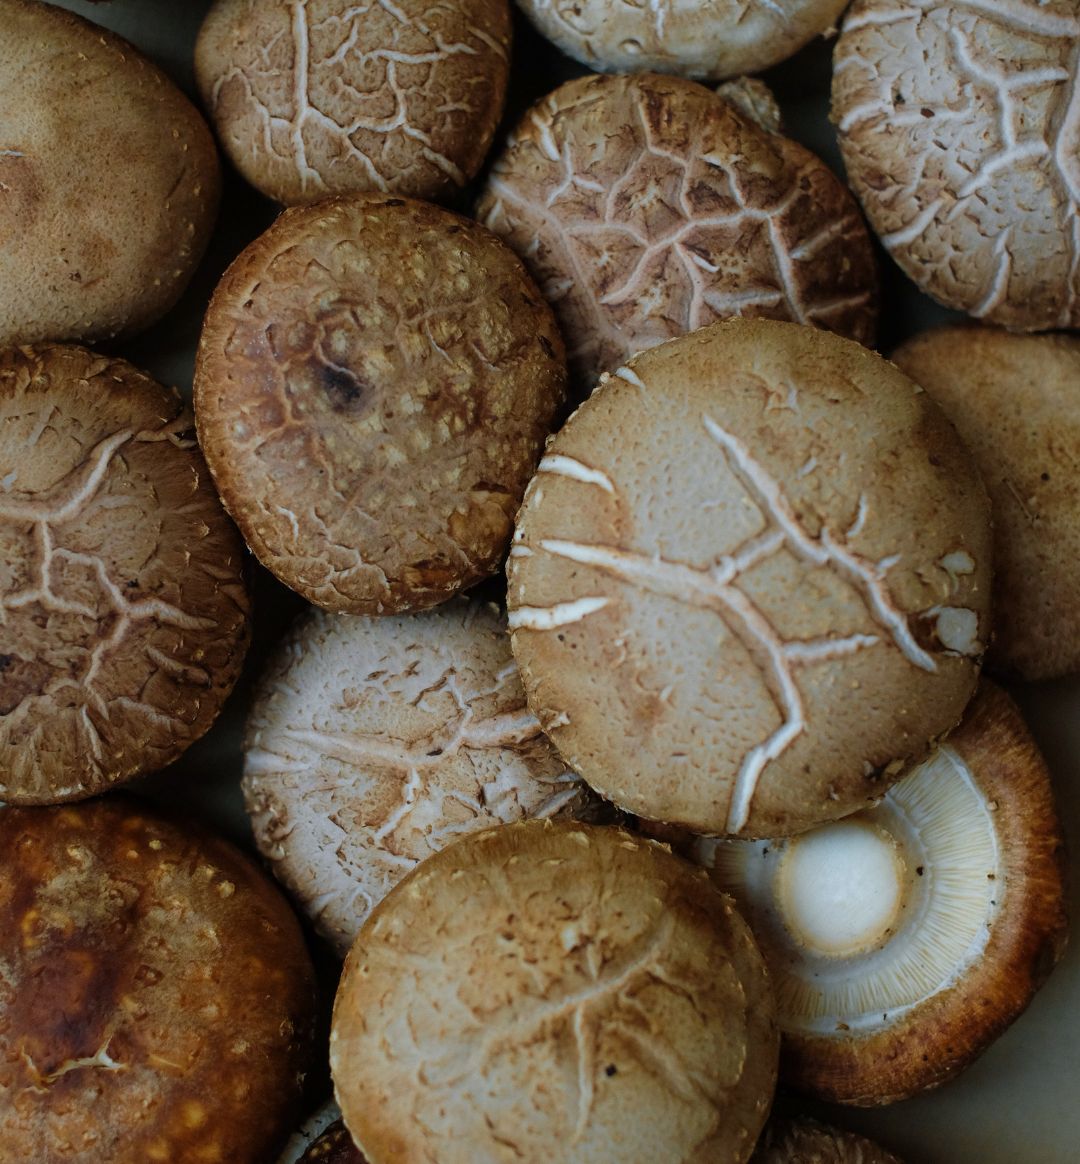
{"x":374,"y":384}
{"x":332,"y":97}
{"x":156,"y":997}
{"x":960,"y":134}
{"x":548,"y":990}
{"x":1015,"y":400}
{"x":109,"y":181}
{"x":334,"y":1146}
{"x":122,"y":600}
{"x":733,"y":590}
{"x":806,"y":1141}
{"x":877,"y":1004}
{"x":372,"y":743}
{"x":647,"y":207}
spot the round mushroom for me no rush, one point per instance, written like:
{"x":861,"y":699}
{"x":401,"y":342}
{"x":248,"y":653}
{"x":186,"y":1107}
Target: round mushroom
{"x":805,"y":1141}
{"x":109,"y":181}
{"x":903,"y":940}
{"x":646,"y":207}
{"x":959,"y":131}
{"x":372,"y":743}
{"x":374,"y":384}
{"x":552,"y":990}
{"x":122,"y":598}
{"x":334,"y":96}
{"x":158,"y":1003}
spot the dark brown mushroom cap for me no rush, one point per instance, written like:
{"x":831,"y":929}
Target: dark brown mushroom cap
{"x":806,"y":1141}
{"x":156,"y":997}
{"x":122,"y":599}
{"x":334,"y":1146}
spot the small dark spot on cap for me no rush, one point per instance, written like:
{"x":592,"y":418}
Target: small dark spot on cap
{"x":919,"y":870}
{"x":346,"y":391}
{"x":1044,"y":476}
{"x":394,"y":202}
{"x":935,"y":461}
{"x":132,"y":583}
{"x":545,"y":343}
{"x":610,"y":1070}
{"x":6,"y":661}
{"x":926,"y":112}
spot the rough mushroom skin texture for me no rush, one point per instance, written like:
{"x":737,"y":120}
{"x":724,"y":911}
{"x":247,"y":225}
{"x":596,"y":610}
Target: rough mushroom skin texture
{"x":959,"y":125}
{"x":373,"y":743}
{"x":805,"y":1141}
{"x":647,"y":207}
{"x":330,"y":97}
{"x":156,"y":997}
{"x":551,"y":990}
{"x":750,"y":581}
{"x":703,"y":39}
{"x":373,"y":386}
{"x":1015,"y":400}
{"x":123,"y":607}
{"x":109,"y":176}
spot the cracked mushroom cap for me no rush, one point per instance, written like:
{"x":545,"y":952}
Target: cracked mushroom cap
{"x":122,"y":598}
{"x":750,"y":580}
{"x":904,"y":940}
{"x":334,"y":96}
{"x":109,"y":181}
{"x":647,"y":207}
{"x":373,"y":387}
{"x":960,"y":129}
{"x":805,"y":1141}
{"x":550,"y":990}
{"x":703,"y":39}
{"x":372,"y":743}
{"x":156,"y":998}
{"x":1015,"y":400}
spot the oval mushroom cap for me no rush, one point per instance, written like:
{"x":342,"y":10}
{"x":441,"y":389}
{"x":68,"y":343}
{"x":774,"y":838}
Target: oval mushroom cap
{"x":122,"y":597}
{"x":554,"y":991}
{"x":729,"y":591}
{"x":373,"y":387}
{"x":806,"y":1141}
{"x":158,"y":1002}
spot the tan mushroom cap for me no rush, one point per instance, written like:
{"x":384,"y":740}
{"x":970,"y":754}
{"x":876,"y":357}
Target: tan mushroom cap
{"x":918,"y":991}
{"x":109,"y":181}
{"x":1015,"y":400}
{"x":158,"y":1001}
{"x":548,"y":990}
{"x":647,"y":207}
{"x":703,"y":39}
{"x":959,"y":130}
{"x":805,"y":1141}
{"x":734,"y":590}
{"x":373,"y":743}
{"x":334,"y":96}
{"x":373,"y":387}
{"x":122,"y":599}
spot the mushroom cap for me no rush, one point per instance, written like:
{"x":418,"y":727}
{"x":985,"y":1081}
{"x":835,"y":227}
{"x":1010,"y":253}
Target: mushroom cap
{"x":554,"y":990}
{"x":158,"y":1001}
{"x":401,"y":97}
{"x":315,"y":1131}
{"x":1015,"y":400}
{"x":109,"y":176}
{"x":703,"y":39}
{"x":980,"y":925}
{"x":805,"y":1141}
{"x":647,"y":207}
{"x":334,"y":1146}
{"x":372,"y":743}
{"x":373,"y":387}
{"x":734,"y":534}
{"x":960,"y":134}
{"x":122,"y":596}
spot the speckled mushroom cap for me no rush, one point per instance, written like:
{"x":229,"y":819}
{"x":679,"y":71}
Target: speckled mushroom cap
{"x":372,"y":743}
{"x":806,"y":1141}
{"x":373,"y":387}
{"x":646,"y":207}
{"x":1015,"y":401}
{"x":704,"y":39}
{"x":156,"y":997}
{"x":334,"y":96}
{"x":549,"y":990}
{"x":123,"y":609}
{"x":750,"y":580}
{"x":959,"y":131}
{"x":109,"y":181}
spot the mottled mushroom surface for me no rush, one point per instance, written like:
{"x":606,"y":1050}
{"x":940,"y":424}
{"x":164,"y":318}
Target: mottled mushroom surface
{"x":806,"y":1141}
{"x":373,"y":743}
{"x":959,"y":125}
{"x":551,"y":990}
{"x":334,"y":96}
{"x":123,"y":610}
{"x":156,"y":998}
{"x":374,"y":384}
{"x":334,"y":1146}
{"x":750,"y":580}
